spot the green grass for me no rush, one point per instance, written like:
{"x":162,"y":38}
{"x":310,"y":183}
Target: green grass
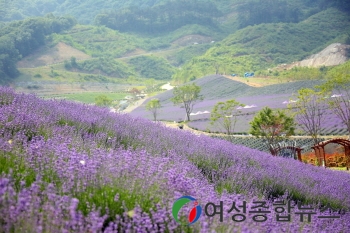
{"x":98,"y":41}
{"x":338,"y":168}
{"x":89,"y":97}
{"x":10,"y":163}
{"x":57,"y":73}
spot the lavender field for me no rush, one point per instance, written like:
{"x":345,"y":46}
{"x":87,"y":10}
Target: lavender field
{"x":216,"y":88}
{"x":331,"y":126}
{"x":68,"y":167}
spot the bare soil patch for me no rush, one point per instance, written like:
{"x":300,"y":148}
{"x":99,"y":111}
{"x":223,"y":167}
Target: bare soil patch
{"x":48,"y":56}
{"x":333,"y":55}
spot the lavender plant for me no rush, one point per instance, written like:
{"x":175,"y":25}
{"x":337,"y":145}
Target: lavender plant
{"x":67,"y":167}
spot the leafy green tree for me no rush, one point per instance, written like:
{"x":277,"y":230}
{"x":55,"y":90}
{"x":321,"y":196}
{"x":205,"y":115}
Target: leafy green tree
{"x":67,"y":65}
{"x":73,"y":62}
{"x":309,"y":111}
{"x":347,"y":40}
{"x":135,"y":91}
{"x":187,"y":95}
{"x":225,"y":115}
{"x":272,"y":126}
{"x":103,"y":100}
{"x":153,"y":105}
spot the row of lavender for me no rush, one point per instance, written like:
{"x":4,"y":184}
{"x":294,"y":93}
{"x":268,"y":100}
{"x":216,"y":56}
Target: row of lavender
{"x":67,"y":167}
{"x":170,"y":112}
{"x":332,"y":125}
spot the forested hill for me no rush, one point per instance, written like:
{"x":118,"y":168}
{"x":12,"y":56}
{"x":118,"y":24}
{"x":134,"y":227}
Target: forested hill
{"x":20,"y":38}
{"x":250,"y":11}
{"x":162,"y":18}
{"x":249,"y":35}
{"x":83,"y":10}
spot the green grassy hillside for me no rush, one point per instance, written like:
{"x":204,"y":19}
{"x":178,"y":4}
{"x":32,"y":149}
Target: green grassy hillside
{"x":101,"y":41}
{"x":98,"y":41}
{"x":122,"y":55}
{"x":259,"y":47}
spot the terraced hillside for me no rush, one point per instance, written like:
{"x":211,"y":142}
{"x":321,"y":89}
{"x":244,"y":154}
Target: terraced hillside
{"x":217,"y":88}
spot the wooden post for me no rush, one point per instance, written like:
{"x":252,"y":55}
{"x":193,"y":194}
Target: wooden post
{"x":323,"y":154}
{"x":318,"y":155}
{"x":299,"y":154}
{"x":347,"y":156}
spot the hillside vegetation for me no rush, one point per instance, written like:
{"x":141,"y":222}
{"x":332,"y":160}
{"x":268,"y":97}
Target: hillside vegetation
{"x":21,"y":38}
{"x":187,"y":40}
{"x":98,"y":41}
{"x":80,"y":9}
{"x":164,"y":11}
{"x":263,"y":46}
{"x":162,"y":18}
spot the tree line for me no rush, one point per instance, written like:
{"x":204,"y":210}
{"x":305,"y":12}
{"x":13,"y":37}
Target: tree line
{"x":274,"y":11}
{"x":20,"y":38}
{"x":81,"y":10}
{"x":161,"y":18}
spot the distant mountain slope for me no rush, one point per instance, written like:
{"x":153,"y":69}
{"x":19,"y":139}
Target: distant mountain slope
{"x":281,"y":31}
{"x":250,"y":12}
{"x":262,"y":46}
{"x":84,"y":10}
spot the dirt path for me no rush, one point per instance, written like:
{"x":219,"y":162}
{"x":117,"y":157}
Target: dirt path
{"x":185,"y":127}
{"x":134,"y":105}
{"x":167,"y":87}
